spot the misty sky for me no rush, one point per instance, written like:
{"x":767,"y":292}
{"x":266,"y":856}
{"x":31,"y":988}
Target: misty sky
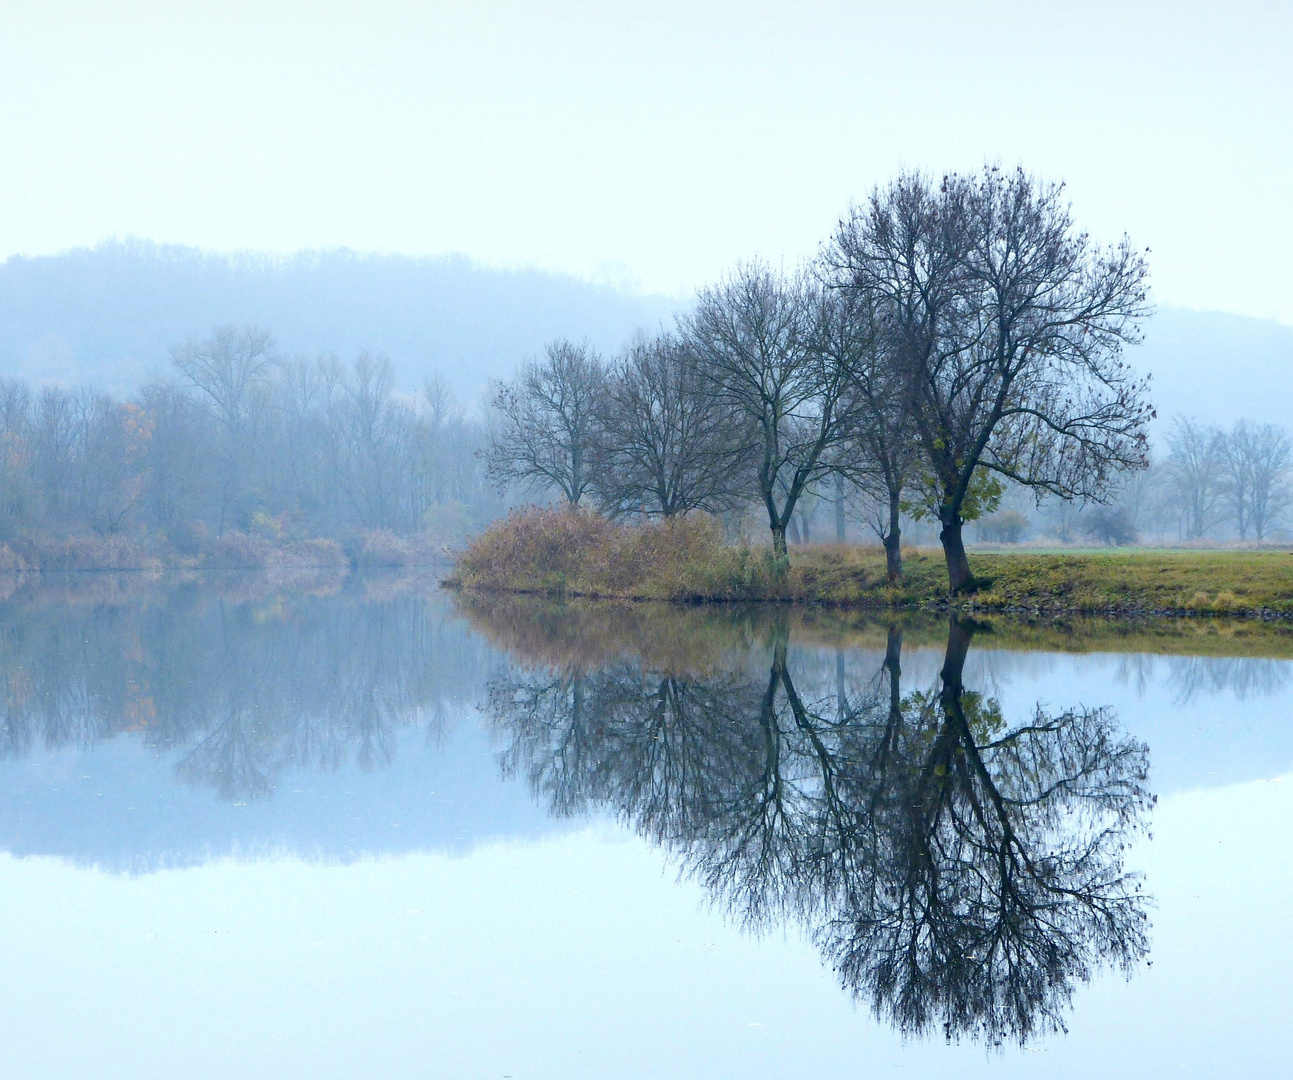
{"x":648,"y":144}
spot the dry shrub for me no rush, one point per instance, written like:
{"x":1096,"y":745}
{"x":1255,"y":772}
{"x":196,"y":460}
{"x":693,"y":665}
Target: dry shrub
{"x":115,"y":552}
{"x":533,"y":550}
{"x":576,"y":552}
{"x":383,"y":548}
{"x":11,"y":562}
{"x":240,"y":551}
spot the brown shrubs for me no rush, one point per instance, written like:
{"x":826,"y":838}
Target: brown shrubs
{"x":88,"y":552}
{"x":247,"y":551}
{"x":574,"y":552}
{"x":383,"y":548}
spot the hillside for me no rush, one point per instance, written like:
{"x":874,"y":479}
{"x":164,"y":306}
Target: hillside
{"x":107,"y":316}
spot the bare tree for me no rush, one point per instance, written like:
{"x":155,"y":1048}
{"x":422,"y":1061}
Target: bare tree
{"x":665,"y":446}
{"x":881,"y":455}
{"x":226,"y":370}
{"x":1256,"y":461}
{"x":548,"y":422}
{"x":760,"y":338}
{"x":1008,"y":327}
{"x":1197,"y":462}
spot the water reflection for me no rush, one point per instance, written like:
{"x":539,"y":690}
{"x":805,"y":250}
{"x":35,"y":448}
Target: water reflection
{"x":236,"y":690}
{"x":958,"y":870}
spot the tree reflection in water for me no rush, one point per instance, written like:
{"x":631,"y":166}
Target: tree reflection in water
{"x":956,"y":870}
{"x":239,"y":690}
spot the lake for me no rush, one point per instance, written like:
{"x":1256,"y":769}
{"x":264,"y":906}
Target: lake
{"x":372,"y":829}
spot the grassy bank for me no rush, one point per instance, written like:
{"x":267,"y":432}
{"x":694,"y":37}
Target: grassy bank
{"x":561,"y":554}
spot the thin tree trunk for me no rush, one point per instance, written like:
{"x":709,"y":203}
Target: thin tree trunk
{"x":892,"y":541}
{"x":893,"y":665}
{"x":959,"y":578}
{"x":841,"y":698}
{"x":840,"y":533}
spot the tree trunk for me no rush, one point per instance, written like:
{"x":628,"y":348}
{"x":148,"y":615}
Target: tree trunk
{"x":893,"y":665}
{"x":892,"y":541}
{"x":841,"y":698}
{"x":780,"y":553}
{"x":959,"y":578}
{"x":840,"y":534}
{"x":958,"y":647}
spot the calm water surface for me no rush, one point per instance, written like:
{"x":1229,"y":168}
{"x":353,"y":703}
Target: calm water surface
{"x":256,"y":833}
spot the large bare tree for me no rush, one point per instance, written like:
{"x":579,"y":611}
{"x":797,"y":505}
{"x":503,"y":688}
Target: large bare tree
{"x":1009,"y":326}
{"x":760,"y":336}
{"x":547,"y":422}
{"x":666,"y":446}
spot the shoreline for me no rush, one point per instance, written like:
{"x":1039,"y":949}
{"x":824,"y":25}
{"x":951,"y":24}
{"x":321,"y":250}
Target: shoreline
{"x":690,"y":561}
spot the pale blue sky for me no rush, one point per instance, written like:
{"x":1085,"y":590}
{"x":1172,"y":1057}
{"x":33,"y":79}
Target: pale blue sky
{"x":647,"y":143}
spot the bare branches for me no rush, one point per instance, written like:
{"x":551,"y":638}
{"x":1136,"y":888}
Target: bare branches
{"x":548,"y":419}
{"x":1006,"y":327}
{"x":665,"y":446}
{"x":765,"y":342}
{"x":226,"y":368}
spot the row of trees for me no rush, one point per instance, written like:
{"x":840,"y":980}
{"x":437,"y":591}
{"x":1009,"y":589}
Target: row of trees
{"x":1207,"y":483}
{"x":1239,"y":477}
{"x":240,"y":438}
{"x":951,"y":337}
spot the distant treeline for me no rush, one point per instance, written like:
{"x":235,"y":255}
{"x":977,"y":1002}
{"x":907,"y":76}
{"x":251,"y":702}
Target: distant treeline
{"x":241,"y":441}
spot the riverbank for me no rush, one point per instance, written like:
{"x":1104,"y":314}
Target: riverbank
{"x":555,"y":553}
{"x":234,"y":550}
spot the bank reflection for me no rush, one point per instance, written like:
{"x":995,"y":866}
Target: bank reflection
{"x":961,"y":871}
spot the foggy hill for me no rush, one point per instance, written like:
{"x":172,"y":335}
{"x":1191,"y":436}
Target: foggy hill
{"x":107,"y":316}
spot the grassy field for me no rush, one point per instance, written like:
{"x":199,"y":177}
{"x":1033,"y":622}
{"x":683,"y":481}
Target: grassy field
{"x":1120,"y":581}
{"x":561,"y":554}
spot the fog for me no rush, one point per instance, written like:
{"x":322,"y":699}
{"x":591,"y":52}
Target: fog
{"x":654,"y":142}
{"x":108,"y":315}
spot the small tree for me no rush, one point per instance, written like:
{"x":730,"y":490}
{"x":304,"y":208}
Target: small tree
{"x":882,"y":451}
{"x":227,"y":370}
{"x":759,"y":336}
{"x":1196,"y":459}
{"x":547,"y":422}
{"x":1007,"y":327}
{"x":666,"y":446}
{"x":1256,"y":463}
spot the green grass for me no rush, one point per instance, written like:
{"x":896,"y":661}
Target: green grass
{"x":1119,"y":582}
